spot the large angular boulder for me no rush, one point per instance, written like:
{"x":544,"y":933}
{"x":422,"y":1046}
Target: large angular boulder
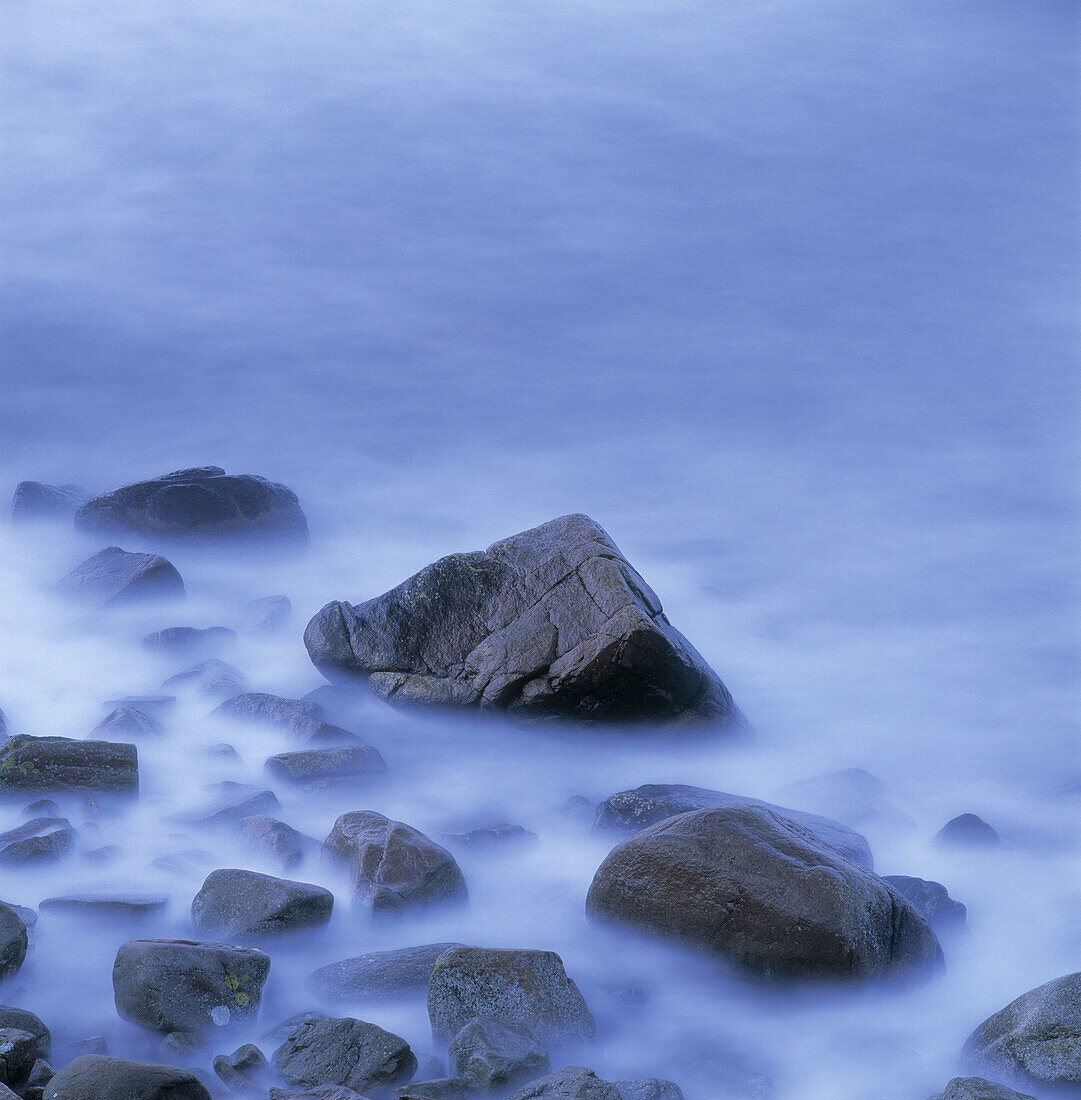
{"x":36,"y":500}
{"x":1035,"y":1038}
{"x":569,"y":1083}
{"x":61,"y":764}
{"x":494,"y":1056}
{"x":178,"y":985}
{"x":765,"y":894}
{"x":378,"y":974}
{"x":393,"y":866}
{"x":348,"y":1052}
{"x":632,"y":811}
{"x":552,"y":621}
{"x":234,"y":902}
{"x":114,"y":577}
{"x":95,"y":1077}
{"x":201,"y":503}
{"x":513,"y":985}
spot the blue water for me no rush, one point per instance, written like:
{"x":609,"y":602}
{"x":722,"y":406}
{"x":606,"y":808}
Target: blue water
{"x":784,"y":295}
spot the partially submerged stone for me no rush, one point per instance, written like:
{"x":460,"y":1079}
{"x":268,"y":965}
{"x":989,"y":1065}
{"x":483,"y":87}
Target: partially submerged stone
{"x":235,"y":902}
{"x":314,"y":769}
{"x":24,"y":1020}
{"x":378,"y":974}
{"x":36,"y":500}
{"x":273,"y":710}
{"x":231,"y":803}
{"x":569,"y":1083}
{"x":13,"y":944}
{"x":979,"y":1088}
{"x":39,"y":840}
{"x":125,"y":722}
{"x":968,"y":831}
{"x":129,"y":907}
{"x":211,"y":677}
{"x":494,"y":1056}
{"x":61,"y":764}
{"x":276,"y":839}
{"x":189,"y":639}
{"x":17,"y":1056}
{"x":931,"y":900}
{"x":553,"y":621}
{"x":114,"y":577}
{"x":98,"y":1077}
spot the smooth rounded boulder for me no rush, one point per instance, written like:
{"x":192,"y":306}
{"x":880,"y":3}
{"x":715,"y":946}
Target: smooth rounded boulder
{"x":96,"y":1076}
{"x":236,"y":902}
{"x":114,"y":577}
{"x":763,"y":893}
{"x":553,"y":622}
{"x":200,"y":503}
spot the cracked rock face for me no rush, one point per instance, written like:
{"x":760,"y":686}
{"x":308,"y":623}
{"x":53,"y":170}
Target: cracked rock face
{"x":553,"y":622}
{"x":765,"y":894}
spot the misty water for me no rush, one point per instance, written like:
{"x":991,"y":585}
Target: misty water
{"x":782,"y":294}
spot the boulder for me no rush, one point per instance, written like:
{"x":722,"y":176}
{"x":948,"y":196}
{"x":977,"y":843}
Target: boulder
{"x":178,"y":985}
{"x":265,"y":613}
{"x":17,"y":1056}
{"x":632,"y":811}
{"x":348,"y":1052}
{"x":245,"y":1072}
{"x":553,"y":621}
{"x":315,"y":769}
{"x":763,"y":893}
{"x":516,"y":986}
{"x":232,"y":803}
{"x":379,"y":974}
{"x":189,"y":639}
{"x":276,"y":839}
{"x":494,"y":1056}
{"x":235,"y":902}
{"x":13,"y":944}
{"x":931,"y":900}
{"x":968,"y":831}
{"x":440,"y":1088}
{"x":569,"y":1083}
{"x":211,"y":677}
{"x":1035,"y":1038}
{"x":393,"y":866}
{"x":201,"y":503}
{"x":649,"y":1088}
{"x":96,"y":1077}
{"x":320,"y":1092}
{"x":314,"y":731}
{"x":272,"y":710}
{"x":979,"y":1088}
{"x":35,"y":500}
{"x":125,"y":722}
{"x":129,"y":908}
{"x":22,"y":1020}
{"x":38,"y":841}
{"x":113,"y":577}
{"x":60,"y":764}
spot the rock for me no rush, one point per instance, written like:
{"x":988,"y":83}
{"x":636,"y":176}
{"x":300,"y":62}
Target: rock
{"x":277,"y":1035}
{"x":97,"y":1077}
{"x":189,"y":639}
{"x":211,"y":677}
{"x":649,"y":1088}
{"x":60,"y":764}
{"x":13,"y":945}
{"x":186,"y":1044}
{"x":320,"y":1092}
{"x":184,"y":862}
{"x":931,"y":900}
{"x":93,"y":1044}
{"x":266,"y":613}
{"x":569,"y":1083}
{"x":393,"y":866}
{"x":133,"y":907}
{"x":41,"y":1073}
{"x":968,"y":831}
{"x":27,"y":916}
{"x":850,"y":795}
{"x":125,"y":722}
{"x":234,"y":902}
{"x":113,"y":577}
{"x":978,"y":1088}
{"x":201,"y":503}
{"x":38,"y":841}
{"x":178,"y":985}
{"x":35,"y":500}
{"x":17,"y":1056}
{"x":315,"y":769}
{"x":273,"y":710}
{"x":1035,"y":1038}
{"x":158,"y":707}
{"x":346,"y":1052}
{"x":245,"y":1072}
{"x":631,"y":811}
{"x":491,"y":836}
{"x":515,"y":986}
{"x":234,"y":802}
{"x":379,"y":974}
{"x":763,"y":893}
{"x":494,"y":1056}
{"x":42,"y":807}
{"x":22,"y":1020}
{"x":441,"y":1088}
{"x":552,"y":621}
{"x":276,"y":839}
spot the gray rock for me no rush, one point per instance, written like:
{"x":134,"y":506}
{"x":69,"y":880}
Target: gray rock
{"x":125,"y":722}
{"x":649,"y":1088}
{"x":515,"y":986}
{"x":201,"y":503}
{"x":266,"y":613}
{"x":35,"y":500}
{"x":235,"y":902}
{"x":60,"y":764}
{"x":314,"y":731}
{"x":1035,"y":1038}
{"x":159,"y":707}
{"x":213,"y":678}
{"x":764,"y":894}
{"x":978,"y":1088}
{"x":320,"y":1092}
{"x":245,"y":1072}
{"x":39,"y":841}
{"x":97,"y":1077}
{"x":114,"y":577}
{"x":393,"y":866}
{"x":235,"y":802}
{"x":569,"y":1083}
{"x":178,"y":985}
{"x":439,"y":1088}
{"x":131,"y":907}
{"x":272,"y":710}
{"x":552,"y":621}
{"x":41,"y":1073}
{"x":42,"y":807}
{"x":278,"y":1034}
{"x":346,"y":1052}
{"x":189,"y":639}
{"x":184,"y":1044}
{"x":494,"y":1056}
{"x":379,"y":974}
{"x":22,"y":1020}
{"x":632,"y":811}
{"x":968,"y":831}
{"x":852,"y":796}
{"x":27,"y":916}
{"x":276,"y":839}
{"x":486,"y":837}
{"x":931,"y":900}
{"x":17,"y":1056}
{"x":314,"y":769}
{"x":13,"y":944}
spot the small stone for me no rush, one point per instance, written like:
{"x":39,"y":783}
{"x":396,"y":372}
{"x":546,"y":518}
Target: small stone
{"x":22,"y":1020}
{"x":979,"y":1088}
{"x":158,"y":707}
{"x":213,"y":678}
{"x":245,"y":1072}
{"x":931,"y":900}
{"x":257,"y":706}
{"x":276,"y":839}
{"x":968,"y":831}
{"x":189,"y":639}
{"x":35,"y":501}
{"x":17,"y":1056}
{"x":234,"y":802}
{"x":131,"y":907}
{"x":491,"y":836}
{"x":649,"y":1088}
{"x":39,"y":841}
{"x":60,"y":764}
{"x":569,"y":1083}
{"x":113,"y":577}
{"x":125,"y":722}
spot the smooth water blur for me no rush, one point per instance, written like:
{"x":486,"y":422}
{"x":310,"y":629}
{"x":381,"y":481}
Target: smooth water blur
{"x":783,"y":294}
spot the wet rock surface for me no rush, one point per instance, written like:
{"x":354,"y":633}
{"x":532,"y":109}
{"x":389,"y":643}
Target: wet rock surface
{"x":124,"y":722}
{"x":979,"y":1088}
{"x":96,"y":1077}
{"x":40,"y":840}
{"x":114,"y":577}
{"x":130,"y":908}
{"x":13,"y":944}
{"x":379,"y":974}
{"x":314,"y":769}
{"x":259,"y":706}
{"x":276,"y":839}
{"x":494,"y":1056}
{"x":236,"y":902}
{"x":188,"y":640}
{"x":569,"y":1083}
{"x":931,"y":900}
{"x":61,"y":764}
{"x":553,"y":621}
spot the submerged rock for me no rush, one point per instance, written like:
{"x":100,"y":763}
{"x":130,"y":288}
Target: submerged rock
{"x":13,"y":944}
{"x":212,"y":677}
{"x":265,"y":613}
{"x":60,"y":764}
{"x":132,"y":907}
{"x":235,"y":902}
{"x":632,"y":811}
{"x":649,"y":1088}
{"x":569,"y":1083}
{"x":276,"y":839}
{"x":931,"y":900}
{"x":189,"y":639}
{"x":178,"y":985}
{"x":763,"y":893}
{"x":979,"y":1088}
{"x":36,"y":500}
{"x":552,"y":621}
{"x":440,"y":1088}
{"x":200,"y":503}
{"x":232,"y":804}
{"x":319,"y":1092}
{"x":126,"y":722}
{"x":113,"y":577}
{"x":38,"y":841}
{"x":258,"y":706}
{"x":378,"y":974}
{"x":486,"y":837}
{"x":97,"y":1077}
{"x":314,"y":769}
{"x":493,"y":1056}
{"x":968,"y":831}
{"x":393,"y":866}
{"x":516,"y":986}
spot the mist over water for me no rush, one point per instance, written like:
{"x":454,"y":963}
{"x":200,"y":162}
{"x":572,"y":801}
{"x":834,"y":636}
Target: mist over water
{"x":783,"y":295}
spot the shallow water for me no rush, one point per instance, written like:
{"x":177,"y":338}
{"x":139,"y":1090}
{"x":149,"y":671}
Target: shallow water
{"x":783,"y":295}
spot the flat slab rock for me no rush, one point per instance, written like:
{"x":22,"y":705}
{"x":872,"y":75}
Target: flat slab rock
{"x":316,"y":768}
{"x":553,"y":621}
{"x":763,"y":893}
{"x":131,"y":907}
{"x":114,"y":577}
{"x":236,"y":902}
{"x":61,"y":764}
{"x":97,"y":1077}
{"x":379,"y":974}
{"x":200,"y":503}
